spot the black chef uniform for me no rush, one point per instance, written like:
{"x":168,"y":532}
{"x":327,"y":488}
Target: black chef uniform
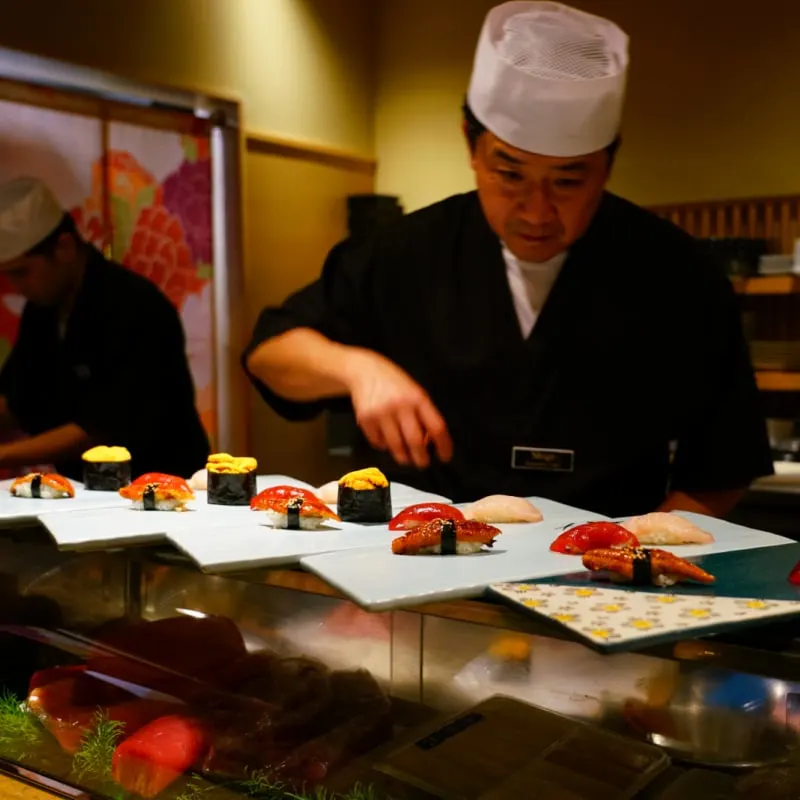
{"x":119,"y":371}
{"x":638,"y":346}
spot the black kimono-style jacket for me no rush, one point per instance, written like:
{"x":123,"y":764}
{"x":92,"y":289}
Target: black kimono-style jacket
{"x":639,"y":346}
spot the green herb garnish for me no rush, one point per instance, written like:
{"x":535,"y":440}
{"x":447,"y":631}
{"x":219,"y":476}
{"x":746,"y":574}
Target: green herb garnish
{"x":19,"y":731}
{"x":93,"y":759}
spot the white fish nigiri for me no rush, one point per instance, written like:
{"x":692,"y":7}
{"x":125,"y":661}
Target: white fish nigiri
{"x":199,"y":481}
{"x":499,"y":508}
{"x":661,"y":527}
{"x":329,"y":493}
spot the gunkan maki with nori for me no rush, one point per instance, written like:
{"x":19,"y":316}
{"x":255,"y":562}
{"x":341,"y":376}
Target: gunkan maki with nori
{"x":364,"y":496}
{"x":106,"y":469}
{"x":231,"y":479}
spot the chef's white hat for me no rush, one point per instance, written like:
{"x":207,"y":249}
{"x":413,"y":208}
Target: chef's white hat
{"x":28,"y":213}
{"x":549,"y":79}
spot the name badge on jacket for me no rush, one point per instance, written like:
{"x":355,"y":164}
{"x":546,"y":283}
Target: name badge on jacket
{"x":542,"y":459}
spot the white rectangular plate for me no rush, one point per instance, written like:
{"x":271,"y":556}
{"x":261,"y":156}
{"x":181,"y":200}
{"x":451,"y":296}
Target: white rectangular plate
{"x":23,"y":509}
{"x":378,"y":580}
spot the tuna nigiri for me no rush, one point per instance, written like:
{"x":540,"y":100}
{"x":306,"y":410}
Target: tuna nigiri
{"x":661,"y":528}
{"x":293,"y":508}
{"x":414,"y":516}
{"x":446,"y":537}
{"x":44,"y":486}
{"x":499,"y":508}
{"x":167,"y":493}
{"x":593,"y":536}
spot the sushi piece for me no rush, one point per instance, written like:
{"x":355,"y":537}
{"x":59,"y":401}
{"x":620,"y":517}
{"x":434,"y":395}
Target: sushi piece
{"x":263,"y":499}
{"x":199,"y":481}
{"x":161,"y":477}
{"x":446,"y":537}
{"x":106,"y":469}
{"x":285,"y":507}
{"x":42,"y":485}
{"x":231,"y":479}
{"x":170,"y":493}
{"x":593,"y":536}
{"x":644,"y":566}
{"x":664,"y":528}
{"x":499,"y":508}
{"x":414,"y":516}
{"x":364,"y":496}
{"x":329,"y":493}
{"x":794,"y":575}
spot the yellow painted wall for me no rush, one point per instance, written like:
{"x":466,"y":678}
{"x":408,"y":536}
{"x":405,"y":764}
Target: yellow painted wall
{"x":712,"y":109}
{"x":303,"y":68}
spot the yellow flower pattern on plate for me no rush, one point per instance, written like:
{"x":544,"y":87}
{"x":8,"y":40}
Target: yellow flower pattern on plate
{"x":617,"y":615}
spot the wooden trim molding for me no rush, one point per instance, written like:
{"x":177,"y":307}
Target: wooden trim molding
{"x":309,"y":151}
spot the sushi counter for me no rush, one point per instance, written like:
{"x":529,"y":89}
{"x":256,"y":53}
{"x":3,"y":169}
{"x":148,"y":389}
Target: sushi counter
{"x":270,"y":647}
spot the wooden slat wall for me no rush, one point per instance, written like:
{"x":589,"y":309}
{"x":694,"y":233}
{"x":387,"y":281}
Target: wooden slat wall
{"x":776,"y":219}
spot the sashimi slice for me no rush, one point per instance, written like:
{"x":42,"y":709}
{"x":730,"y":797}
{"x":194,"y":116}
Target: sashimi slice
{"x":664,"y":528}
{"x":499,"y":508}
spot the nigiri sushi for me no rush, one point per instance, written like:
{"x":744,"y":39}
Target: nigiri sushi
{"x":364,"y":496}
{"x":329,"y":492}
{"x":199,"y":481}
{"x":160,"y":477}
{"x":593,"y":536}
{"x":414,"y":516}
{"x":446,"y":537}
{"x":499,"y":508}
{"x":292,"y":508}
{"x":642,"y":566}
{"x":169,"y":493}
{"x":664,"y":528}
{"x":44,"y":486}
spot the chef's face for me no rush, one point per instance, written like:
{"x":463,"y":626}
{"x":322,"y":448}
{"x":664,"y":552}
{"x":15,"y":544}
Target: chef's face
{"x":538,"y":205}
{"x":44,"y":278}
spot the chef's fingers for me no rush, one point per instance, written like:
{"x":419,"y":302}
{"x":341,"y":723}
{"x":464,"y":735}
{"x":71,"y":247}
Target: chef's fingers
{"x":394,"y":439}
{"x":372,"y":430}
{"x":413,"y":435}
{"x":436,"y":429}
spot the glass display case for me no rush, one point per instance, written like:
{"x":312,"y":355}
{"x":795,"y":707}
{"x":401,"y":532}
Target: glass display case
{"x":131,"y":674}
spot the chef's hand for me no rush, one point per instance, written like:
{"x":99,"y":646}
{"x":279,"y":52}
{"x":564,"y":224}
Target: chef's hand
{"x":394,"y":411}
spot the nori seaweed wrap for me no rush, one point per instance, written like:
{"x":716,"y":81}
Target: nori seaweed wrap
{"x":106,"y":469}
{"x":231,"y":480}
{"x":364,"y":496}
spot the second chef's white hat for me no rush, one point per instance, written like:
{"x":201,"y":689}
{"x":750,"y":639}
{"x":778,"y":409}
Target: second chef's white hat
{"x":29,"y":212}
{"x":549,"y":79}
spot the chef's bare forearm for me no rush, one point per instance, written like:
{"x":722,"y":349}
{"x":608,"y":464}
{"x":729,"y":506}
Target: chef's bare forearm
{"x":714,"y":504}
{"x":304,"y":365}
{"x":66,"y":441}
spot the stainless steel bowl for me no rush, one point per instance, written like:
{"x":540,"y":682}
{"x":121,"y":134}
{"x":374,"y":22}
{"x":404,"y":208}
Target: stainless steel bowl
{"x":725,"y":719}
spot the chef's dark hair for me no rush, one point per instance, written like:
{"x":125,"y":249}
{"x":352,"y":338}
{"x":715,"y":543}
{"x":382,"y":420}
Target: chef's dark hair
{"x":475,"y":128}
{"x":48,"y":245}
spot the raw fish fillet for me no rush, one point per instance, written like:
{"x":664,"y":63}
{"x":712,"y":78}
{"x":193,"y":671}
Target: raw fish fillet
{"x":329,"y":493}
{"x":663,"y":528}
{"x":498,"y":508}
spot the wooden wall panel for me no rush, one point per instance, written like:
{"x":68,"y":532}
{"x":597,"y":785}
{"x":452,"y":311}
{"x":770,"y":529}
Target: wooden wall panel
{"x":295,"y":212}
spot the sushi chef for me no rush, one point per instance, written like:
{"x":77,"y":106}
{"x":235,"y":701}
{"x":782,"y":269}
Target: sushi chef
{"x":539,"y":335}
{"x":100,"y":354}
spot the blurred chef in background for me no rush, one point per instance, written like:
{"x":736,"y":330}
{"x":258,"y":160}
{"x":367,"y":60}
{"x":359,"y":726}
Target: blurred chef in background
{"x":100,"y":355}
{"x":545,"y":336}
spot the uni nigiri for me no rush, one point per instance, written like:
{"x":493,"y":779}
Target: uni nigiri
{"x":43,"y":486}
{"x":364,"y":496}
{"x":169,"y":493}
{"x":446,"y":537}
{"x":499,"y":508}
{"x":292,"y":508}
{"x":664,"y":528}
{"x":592,"y":536}
{"x":416,"y":515}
